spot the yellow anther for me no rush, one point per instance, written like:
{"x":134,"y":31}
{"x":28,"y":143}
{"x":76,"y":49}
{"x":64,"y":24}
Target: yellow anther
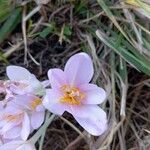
{"x":35,"y":103}
{"x":71,"y":95}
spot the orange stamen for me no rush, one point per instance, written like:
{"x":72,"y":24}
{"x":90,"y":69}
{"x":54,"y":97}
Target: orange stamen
{"x":35,"y":103}
{"x":72,"y":95}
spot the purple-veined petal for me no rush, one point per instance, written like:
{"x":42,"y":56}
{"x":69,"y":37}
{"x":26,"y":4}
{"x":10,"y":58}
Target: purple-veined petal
{"x":17,"y":73}
{"x":37,"y":119}
{"x":25,"y":127}
{"x":57,"y":78}
{"x":79,"y":69}
{"x":94,"y":120}
{"x":93,"y":94}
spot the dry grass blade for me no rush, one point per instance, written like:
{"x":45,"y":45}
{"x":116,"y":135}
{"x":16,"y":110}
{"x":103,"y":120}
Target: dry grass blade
{"x":115,"y":33}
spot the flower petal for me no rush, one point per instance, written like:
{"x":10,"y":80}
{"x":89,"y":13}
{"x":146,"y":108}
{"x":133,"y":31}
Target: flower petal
{"x":56,"y":77}
{"x":92,"y":126}
{"x":52,"y":96}
{"x":23,"y":101}
{"x":25,"y":127}
{"x":86,"y":111}
{"x":37,"y":119}
{"x":57,"y":109}
{"x":51,"y":102}
{"x":13,"y":133}
{"x":17,"y":73}
{"x":16,"y":90}
{"x":26,"y":147}
{"x":8,"y":126}
{"x":45,"y":83}
{"x":12,"y":145}
{"x":79,"y":69}
{"x":95,"y":121}
{"x":17,"y":145}
{"x":93,"y":94}
{"x":34,"y":86}
{"x":40,"y":108}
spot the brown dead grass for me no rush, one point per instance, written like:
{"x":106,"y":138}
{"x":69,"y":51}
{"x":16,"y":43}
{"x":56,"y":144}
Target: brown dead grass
{"x":130,"y":132}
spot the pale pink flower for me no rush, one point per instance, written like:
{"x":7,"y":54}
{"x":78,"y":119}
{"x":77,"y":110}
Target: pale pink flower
{"x":18,"y":145}
{"x":20,"y":116}
{"x":21,"y":81}
{"x":72,"y":92}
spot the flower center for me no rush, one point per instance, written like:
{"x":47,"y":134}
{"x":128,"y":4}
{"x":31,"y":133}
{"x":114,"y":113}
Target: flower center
{"x":71,"y":95}
{"x":35,"y":103}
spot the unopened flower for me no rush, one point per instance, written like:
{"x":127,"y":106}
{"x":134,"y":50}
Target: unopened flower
{"x":21,"y":81}
{"x":17,"y":145}
{"x":72,"y":92}
{"x":21,"y":116}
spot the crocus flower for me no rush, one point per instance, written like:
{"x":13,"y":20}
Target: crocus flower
{"x":21,"y":81}
{"x":17,"y":145}
{"x":21,"y":116}
{"x":71,"y":91}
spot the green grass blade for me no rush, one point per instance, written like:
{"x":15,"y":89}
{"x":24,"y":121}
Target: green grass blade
{"x":139,"y":64}
{"x":6,"y":7}
{"x":112,"y":18}
{"x":10,"y":24}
